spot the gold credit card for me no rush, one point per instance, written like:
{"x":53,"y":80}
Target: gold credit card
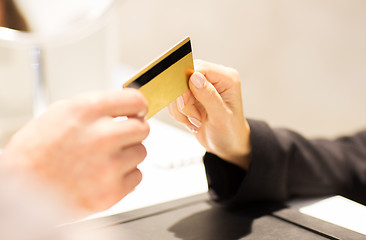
{"x":166,"y":78}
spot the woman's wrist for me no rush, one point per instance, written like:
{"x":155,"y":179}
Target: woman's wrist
{"x":242,"y":156}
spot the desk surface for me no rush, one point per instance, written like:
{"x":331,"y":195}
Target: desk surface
{"x":196,"y":217}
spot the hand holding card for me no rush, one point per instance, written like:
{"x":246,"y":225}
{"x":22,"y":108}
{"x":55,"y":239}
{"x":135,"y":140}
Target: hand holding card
{"x":166,"y":78}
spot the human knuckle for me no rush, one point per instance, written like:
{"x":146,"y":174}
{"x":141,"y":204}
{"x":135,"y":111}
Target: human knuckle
{"x":135,"y":178}
{"x":141,"y":150}
{"x":139,"y":127}
{"x":145,"y":128}
{"x":138,"y":176}
{"x":142,"y":153}
{"x":85,"y":105}
{"x":75,"y":110}
{"x":234,"y":74}
{"x":225,"y":118}
{"x":101,"y":137}
{"x":77,"y":105}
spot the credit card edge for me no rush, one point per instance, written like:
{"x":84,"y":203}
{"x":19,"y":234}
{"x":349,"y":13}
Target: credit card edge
{"x":157,"y":60}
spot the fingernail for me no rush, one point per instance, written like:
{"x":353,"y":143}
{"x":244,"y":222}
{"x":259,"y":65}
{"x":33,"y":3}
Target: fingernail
{"x":195,"y":121}
{"x":142,"y":114}
{"x":120,"y":119}
{"x":198,"y":80}
{"x":192,"y":129}
{"x":180,"y":102}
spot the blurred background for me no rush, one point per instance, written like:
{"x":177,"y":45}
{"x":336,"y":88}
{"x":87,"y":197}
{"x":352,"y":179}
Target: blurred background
{"x":302,"y":63}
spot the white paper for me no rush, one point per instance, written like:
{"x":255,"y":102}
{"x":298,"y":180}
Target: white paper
{"x":340,"y":211}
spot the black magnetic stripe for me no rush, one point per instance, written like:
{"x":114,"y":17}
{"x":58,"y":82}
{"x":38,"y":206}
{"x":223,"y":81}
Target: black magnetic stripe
{"x":162,"y":66}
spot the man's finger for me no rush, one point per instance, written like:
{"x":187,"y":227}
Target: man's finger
{"x":125,"y":102}
{"x":128,"y":158}
{"x":121,"y":134}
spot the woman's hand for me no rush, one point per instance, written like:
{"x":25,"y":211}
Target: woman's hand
{"x":212,"y":109}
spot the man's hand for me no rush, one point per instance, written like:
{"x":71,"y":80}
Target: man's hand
{"x":212,"y":109}
{"x":78,"y":147}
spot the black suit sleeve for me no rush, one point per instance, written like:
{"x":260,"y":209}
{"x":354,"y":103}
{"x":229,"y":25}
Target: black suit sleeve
{"x":284,"y":164}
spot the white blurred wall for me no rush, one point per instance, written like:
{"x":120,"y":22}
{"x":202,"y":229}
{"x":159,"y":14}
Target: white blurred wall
{"x":302,"y":63}
{"x":78,"y":41}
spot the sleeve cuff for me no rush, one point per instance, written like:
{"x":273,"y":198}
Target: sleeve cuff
{"x":223,"y":178}
{"x":265,"y":179}
{"x":267,"y":174}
